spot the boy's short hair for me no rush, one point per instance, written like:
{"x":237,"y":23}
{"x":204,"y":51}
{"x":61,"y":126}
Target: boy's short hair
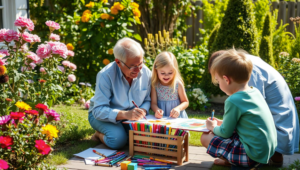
{"x":233,"y":64}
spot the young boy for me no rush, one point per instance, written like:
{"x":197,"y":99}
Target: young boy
{"x":247,"y":136}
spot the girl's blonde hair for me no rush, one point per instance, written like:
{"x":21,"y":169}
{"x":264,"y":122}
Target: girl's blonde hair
{"x":166,"y":59}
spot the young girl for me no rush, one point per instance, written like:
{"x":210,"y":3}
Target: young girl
{"x":247,"y":136}
{"x":168,"y":97}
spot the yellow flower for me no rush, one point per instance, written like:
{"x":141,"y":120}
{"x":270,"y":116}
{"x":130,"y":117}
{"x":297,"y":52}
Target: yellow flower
{"x":137,"y":19}
{"x":134,"y":5}
{"x":110,"y":51}
{"x":70,"y":46}
{"x":86,"y":17}
{"x":104,"y":1}
{"x":87,"y":12}
{"x":136,"y":12}
{"x":50,"y":131}
{"x":113,"y":10}
{"x":23,"y":106}
{"x":2,"y":70}
{"x":119,"y":6}
{"x":90,"y":5}
{"x":104,"y":16}
{"x":106,"y":61}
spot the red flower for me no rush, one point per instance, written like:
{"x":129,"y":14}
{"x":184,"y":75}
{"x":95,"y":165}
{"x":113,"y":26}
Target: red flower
{"x":41,"y":107}
{"x":17,"y":115}
{"x":32,"y":112}
{"x":3,"y":164}
{"x":6,"y":141}
{"x":42,"y":81}
{"x":42,"y":147}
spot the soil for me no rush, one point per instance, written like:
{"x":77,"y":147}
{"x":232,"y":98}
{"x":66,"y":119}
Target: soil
{"x":218,"y":107}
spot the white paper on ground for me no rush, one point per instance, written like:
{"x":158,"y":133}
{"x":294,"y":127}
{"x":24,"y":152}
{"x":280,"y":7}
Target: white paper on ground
{"x":91,"y":155}
{"x":90,"y":160}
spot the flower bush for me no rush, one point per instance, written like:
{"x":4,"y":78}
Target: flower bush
{"x":197,"y":99}
{"x":94,"y":30}
{"x":26,"y":136}
{"x":20,"y":77}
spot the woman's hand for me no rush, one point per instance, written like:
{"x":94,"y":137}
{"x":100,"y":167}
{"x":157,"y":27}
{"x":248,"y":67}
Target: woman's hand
{"x":175,"y":112}
{"x":159,"y":113}
{"x":211,"y":124}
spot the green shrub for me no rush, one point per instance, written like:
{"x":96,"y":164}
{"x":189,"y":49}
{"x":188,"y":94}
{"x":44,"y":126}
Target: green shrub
{"x":265,"y":48}
{"x":295,"y":49}
{"x":261,"y":8}
{"x":212,"y":37}
{"x":237,"y":30}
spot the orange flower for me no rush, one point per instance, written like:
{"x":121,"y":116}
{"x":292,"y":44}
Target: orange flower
{"x":90,"y":5}
{"x":2,"y":70}
{"x":102,"y":24}
{"x":77,"y":22}
{"x":111,"y":18}
{"x":86,"y":17}
{"x":106,"y":61}
{"x":87,"y":12}
{"x":42,"y":81}
{"x":119,"y":6}
{"x":136,"y":12}
{"x":70,"y":46}
{"x":8,"y":99}
{"x":110,"y":51}
{"x":104,"y":16}
{"x":134,"y":5}
{"x":114,"y":10}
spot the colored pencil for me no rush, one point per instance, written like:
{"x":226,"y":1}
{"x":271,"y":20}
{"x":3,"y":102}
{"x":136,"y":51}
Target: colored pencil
{"x":137,"y":107}
{"x":99,"y":153}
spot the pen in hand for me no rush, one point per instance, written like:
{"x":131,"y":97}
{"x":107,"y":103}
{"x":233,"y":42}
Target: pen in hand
{"x":138,"y":107}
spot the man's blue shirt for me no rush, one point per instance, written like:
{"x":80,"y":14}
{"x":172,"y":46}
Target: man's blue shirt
{"x":113,"y":93}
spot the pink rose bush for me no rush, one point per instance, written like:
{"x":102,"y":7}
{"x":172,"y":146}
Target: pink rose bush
{"x":3,"y":164}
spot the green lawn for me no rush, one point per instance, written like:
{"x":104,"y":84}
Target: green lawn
{"x":75,"y":134}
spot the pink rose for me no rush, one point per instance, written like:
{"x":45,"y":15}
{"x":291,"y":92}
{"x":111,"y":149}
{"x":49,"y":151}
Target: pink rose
{"x":53,"y":25}
{"x":3,"y":164}
{"x":5,"y":52}
{"x":33,"y":57}
{"x":24,"y":22}
{"x":23,"y":68}
{"x":66,"y":63}
{"x":71,"y":78}
{"x":87,"y":104}
{"x":32,"y":65}
{"x":42,"y":70}
{"x":73,"y":67}
{"x":61,"y":68}
{"x":2,"y":62}
{"x":54,"y":37}
{"x":40,"y":61}
{"x":2,"y":33}
{"x":36,"y":38}
{"x":297,"y":98}
{"x":44,"y":51}
{"x":27,"y":37}
{"x":70,"y":53}
{"x":59,"y":48}
{"x":11,"y":35}
{"x":24,"y":48}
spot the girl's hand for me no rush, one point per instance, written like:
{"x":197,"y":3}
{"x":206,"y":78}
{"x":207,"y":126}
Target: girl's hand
{"x":159,"y":113}
{"x":175,"y":112}
{"x":211,"y":124}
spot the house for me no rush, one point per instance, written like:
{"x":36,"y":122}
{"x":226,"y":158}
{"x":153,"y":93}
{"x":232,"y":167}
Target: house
{"x":11,"y":10}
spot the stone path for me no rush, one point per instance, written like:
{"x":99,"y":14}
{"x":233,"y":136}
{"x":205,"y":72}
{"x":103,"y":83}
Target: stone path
{"x":198,"y":160}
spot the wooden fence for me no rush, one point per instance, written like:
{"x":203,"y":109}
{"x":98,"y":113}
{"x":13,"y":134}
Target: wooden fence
{"x":286,"y":10}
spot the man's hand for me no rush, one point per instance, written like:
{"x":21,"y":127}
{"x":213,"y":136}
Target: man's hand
{"x":136,"y":114}
{"x":211,"y":124}
{"x":159,"y":113}
{"x":175,"y":112}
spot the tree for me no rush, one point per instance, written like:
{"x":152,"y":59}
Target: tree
{"x":265,"y":48}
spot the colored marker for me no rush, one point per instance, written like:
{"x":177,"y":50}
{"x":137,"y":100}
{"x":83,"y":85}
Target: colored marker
{"x":119,"y":163}
{"x":99,"y":153}
{"x":138,"y":107}
{"x":152,"y":168}
{"x":212,"y":114}
{"x":98,"y":164}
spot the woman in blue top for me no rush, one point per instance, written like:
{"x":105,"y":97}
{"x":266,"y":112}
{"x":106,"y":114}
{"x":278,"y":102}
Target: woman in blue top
{"x":281,"y":104}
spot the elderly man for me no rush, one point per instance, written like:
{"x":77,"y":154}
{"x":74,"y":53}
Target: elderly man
{"x":125,"y":80}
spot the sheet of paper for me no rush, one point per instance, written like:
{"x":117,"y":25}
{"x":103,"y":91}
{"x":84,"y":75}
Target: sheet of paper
{"x":90,"y":160}
{"x":88,"y":153}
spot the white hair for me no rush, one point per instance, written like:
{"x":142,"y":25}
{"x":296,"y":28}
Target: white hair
{"x":127,"y":47}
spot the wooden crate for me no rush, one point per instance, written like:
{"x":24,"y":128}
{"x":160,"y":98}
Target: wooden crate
{"x":180,"y":154}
